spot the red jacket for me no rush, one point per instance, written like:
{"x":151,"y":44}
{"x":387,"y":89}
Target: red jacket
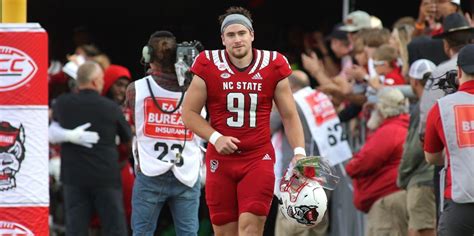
{"x":374,"y":168}
{"x":395,"y":76}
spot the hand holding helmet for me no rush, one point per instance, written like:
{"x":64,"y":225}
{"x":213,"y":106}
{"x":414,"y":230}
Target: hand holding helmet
{"x":303,"y":200}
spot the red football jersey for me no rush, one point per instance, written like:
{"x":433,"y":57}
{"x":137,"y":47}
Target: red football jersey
{"x":240,"y":101}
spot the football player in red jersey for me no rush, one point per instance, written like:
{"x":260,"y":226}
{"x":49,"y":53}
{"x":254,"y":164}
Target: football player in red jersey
{"x":238,"y":86}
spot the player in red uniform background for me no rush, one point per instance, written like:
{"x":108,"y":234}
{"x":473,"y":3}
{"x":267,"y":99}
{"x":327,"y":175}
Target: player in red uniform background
{"x":238,"y":85}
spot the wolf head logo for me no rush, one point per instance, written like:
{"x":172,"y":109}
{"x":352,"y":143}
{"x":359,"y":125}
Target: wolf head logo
{"x":12,"y":153}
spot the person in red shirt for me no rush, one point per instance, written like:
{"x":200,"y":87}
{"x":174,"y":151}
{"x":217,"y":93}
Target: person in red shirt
{"x":238,"y":86}
{"x":450,"y":127}
{"x":374,"y":168}
{"x":385,"y":62}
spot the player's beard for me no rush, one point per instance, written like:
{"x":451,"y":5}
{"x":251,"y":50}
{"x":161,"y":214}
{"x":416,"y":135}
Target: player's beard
{"x":240,"y":53}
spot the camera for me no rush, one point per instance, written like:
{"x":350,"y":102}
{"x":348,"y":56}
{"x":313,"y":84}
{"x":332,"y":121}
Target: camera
{"x":448,"y":82}
{"x":186,"y":52}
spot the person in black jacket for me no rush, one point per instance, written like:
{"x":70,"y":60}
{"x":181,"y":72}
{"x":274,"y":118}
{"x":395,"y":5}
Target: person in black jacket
{"x":91,"y":176}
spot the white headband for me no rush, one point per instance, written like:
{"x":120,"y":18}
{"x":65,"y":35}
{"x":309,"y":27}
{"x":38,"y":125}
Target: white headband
{"x":236,"y":19}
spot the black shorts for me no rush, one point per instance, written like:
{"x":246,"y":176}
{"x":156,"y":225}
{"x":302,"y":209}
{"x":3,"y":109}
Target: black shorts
{"x":457,"y":219}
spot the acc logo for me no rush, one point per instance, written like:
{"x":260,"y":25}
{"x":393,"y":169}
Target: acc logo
{"x":225,"y":75}
{"x":221,"y":66}
{"x":12,"y":153}
{"x":16,"y":68}
{"x":12,"y":228}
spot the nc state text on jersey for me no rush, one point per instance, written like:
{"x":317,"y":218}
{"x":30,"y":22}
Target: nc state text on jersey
{"x":241,"y":85}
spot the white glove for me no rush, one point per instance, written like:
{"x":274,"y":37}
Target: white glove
{"x":79,"y":135}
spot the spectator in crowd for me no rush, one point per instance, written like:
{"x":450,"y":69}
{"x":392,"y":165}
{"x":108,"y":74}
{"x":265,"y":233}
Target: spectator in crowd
{"x":374,"y":167}
{"x":373,"y":39}
{"x":167,"y":154}
{"x":239,"y":159}
{"x":342,"y":40}
{"x":449,"y":127}
{"x":424,"y":46}
{"x":315,"y":41}
{"x":91,"y":176}
{"x":456,"y":35}
{"x":116,"y":80}
{"x":414,"y":174}
{"x":341,"y":47}
{"x":401,"y":37}
{"x":431,"y":13}
{"x":356,"y":21}
{"x":385,"y":63}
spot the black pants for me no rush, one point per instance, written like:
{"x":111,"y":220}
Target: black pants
{"x":457,"y":219}
{"x":80,"y":203}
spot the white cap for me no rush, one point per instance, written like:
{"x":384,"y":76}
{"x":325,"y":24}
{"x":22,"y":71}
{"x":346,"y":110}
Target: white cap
{"x":375,"y":23}
{"x":356,"y":21}
{"x":457,"y":2}
{"x":420,"y":67}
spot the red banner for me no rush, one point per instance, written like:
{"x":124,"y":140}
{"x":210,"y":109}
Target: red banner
{"x":23,"y":65}
{"x":24,"y":221}
{"x":24,"y":180}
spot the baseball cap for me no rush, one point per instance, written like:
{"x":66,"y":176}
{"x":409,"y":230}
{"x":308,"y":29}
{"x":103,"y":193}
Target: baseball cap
{"x":453,"y":23}
{"x":466,"y":59}
{"x":420,"y":67}
{"x":375,"y":23}
{"x":356,"y":21}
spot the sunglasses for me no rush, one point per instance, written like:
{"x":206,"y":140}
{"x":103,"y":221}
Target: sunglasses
{"x":379,"y":63}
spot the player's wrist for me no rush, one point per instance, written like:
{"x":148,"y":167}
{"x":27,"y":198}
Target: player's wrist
{"x":299,"y":151}
{"x":214,"y":136}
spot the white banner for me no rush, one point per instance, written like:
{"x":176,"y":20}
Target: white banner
{"x":324,"y":125}
{"x":24,"y":156}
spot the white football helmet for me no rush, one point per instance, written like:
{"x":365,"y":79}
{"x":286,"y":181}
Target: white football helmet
{"x":302,"y":200}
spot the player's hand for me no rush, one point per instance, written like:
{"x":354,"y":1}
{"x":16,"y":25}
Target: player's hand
{"x":226,"y":145}
{"x":81,"y":136}
{"x":292,"y":165}
{"x":296,"y":158}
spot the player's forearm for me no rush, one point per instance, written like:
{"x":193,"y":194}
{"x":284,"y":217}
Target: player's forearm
{"x":196,"y":123}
